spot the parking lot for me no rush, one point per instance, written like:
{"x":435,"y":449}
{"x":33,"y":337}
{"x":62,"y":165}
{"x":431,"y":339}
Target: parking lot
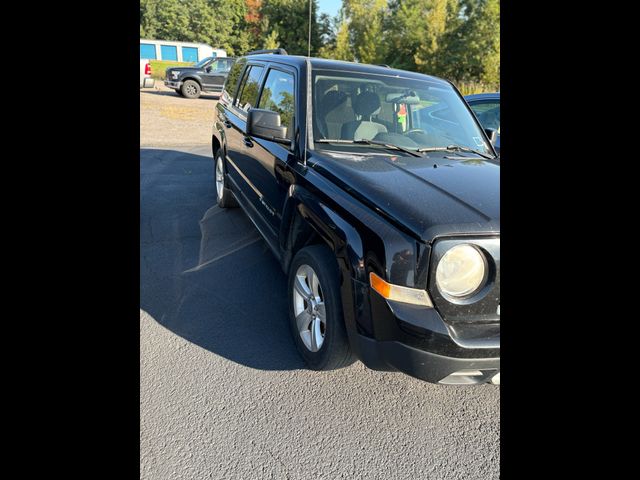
{"x":223,"y":392}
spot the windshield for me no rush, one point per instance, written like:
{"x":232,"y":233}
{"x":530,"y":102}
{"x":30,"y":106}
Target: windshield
{"x":203,"y":62}
{"x":410,"y":113}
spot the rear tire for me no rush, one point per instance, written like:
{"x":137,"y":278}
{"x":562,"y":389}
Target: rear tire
{"x":315,"y":309}
{"x":224,"y":195}
{"x":190,"y":89}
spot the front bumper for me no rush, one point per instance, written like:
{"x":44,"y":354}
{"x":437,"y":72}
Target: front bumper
{"x":172,"y":84}
{"x":428,"y":366}
{"x":416,"y":340}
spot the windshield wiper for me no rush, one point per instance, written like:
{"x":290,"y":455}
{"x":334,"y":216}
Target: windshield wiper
{"x":456,"y":148}
{"x":370,"y":142}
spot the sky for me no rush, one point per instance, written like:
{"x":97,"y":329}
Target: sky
{"x":330,"y":6}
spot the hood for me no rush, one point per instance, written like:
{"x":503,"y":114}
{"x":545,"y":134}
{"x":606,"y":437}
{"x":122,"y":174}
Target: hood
{"x":442,"y":193}
{"x":182,"y":69}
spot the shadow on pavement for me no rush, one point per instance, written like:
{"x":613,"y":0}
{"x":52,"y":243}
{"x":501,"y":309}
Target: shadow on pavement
{"x":205,"y":272}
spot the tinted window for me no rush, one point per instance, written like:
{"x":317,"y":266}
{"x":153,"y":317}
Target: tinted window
{"x":277,"y":96}
{"x":248,"y":91}
{"x":231,"y":82}
{"x":488,"y":113}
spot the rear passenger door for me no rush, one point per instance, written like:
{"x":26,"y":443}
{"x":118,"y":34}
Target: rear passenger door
{"x":267,"y":162}
{"x":238,"y":156}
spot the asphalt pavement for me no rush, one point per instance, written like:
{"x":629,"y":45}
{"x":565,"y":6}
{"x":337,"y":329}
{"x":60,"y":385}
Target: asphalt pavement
{"x":223,"y":392}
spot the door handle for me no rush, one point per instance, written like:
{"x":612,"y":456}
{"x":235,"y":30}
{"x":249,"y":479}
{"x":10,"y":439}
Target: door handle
{"x":227,"y":123}
{"x":248,"y":142}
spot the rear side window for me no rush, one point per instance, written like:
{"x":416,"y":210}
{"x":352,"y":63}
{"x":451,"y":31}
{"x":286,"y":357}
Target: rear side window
{"x":249,"y":87}
{"x":232,"y":80}
{"x":278,"y":96}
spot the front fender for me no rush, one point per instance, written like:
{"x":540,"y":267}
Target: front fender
{"x":361,"y":241}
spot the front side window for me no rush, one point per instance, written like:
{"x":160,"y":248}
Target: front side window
{"x":221,"y":65}
{"x":249,"y":87}
{"x":406,"y":112}
{"x":488,"y":113}
{"x":278,"y":96}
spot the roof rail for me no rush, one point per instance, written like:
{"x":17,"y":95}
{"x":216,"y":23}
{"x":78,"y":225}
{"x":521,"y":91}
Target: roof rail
{"x":383,"y":65}
{"x":277,"y":51}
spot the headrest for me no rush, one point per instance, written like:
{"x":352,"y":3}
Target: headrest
{"x":332,"y":99}
{"x":366,"y":104}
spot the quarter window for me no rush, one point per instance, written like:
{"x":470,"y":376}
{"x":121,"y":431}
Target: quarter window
{"x":277,"y":96}
{"x":231,"y":82}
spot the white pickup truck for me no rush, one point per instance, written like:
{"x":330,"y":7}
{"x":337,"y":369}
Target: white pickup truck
{"x":145,"y":74}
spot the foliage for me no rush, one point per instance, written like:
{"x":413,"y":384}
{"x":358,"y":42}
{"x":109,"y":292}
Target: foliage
{"x":455,"y":39}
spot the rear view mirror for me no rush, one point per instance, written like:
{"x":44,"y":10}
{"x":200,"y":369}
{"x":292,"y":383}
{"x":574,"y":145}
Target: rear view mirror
{"x":493,"y":135}
{"x":266,"y":124}
{"x":408,"y":99}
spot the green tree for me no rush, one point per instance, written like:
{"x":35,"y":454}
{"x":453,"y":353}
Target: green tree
{"x":290,"y":19}
{"x":415,"y":29}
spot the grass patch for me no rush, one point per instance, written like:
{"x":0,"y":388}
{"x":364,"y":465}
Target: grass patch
{"x":158,"y":67}
{"x":469,"y":88}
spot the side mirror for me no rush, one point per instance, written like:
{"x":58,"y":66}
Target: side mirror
{"x":266,"y":124}
{"x":493,"y":135}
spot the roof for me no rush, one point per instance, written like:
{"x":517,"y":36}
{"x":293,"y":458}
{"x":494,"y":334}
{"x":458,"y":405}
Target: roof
{"x":483,"y":96}
{"x":327,"y":64}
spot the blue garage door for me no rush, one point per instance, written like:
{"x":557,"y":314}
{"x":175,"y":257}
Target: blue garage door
{"x":189,"y":54}
{"x":167,"y":52}
{"x":147,"y":50}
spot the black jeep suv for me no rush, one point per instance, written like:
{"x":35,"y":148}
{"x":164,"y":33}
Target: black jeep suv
{"x":383,"y":210}
{"x":208,"y":75}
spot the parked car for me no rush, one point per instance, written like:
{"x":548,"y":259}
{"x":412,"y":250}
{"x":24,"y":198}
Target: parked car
{"x":145,"y":74}
{"x":208,"y":75}
{"x":387,"y":223}
{"x":486,"y":106}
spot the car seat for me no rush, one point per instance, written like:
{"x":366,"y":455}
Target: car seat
{"x":365,"y":106}
{"x":330,"y":101}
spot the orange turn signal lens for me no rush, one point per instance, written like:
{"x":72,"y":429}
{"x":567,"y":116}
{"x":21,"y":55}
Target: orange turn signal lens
{"x":379,"y":285}
{"x":389,"y":291}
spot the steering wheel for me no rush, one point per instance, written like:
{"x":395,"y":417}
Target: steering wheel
{"x":415,"y":130}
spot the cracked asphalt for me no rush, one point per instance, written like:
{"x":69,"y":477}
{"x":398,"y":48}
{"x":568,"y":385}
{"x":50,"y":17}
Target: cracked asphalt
{"x":223,"y":392}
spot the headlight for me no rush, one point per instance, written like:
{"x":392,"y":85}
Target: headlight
{"x":175,"y":74}
{"x":461,"y":271}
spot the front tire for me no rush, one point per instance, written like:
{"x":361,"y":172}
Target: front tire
{"x":315,"y":309}
{"x":224,"y":195}
{"x":178,"y":91}
{"x":190,"y":89}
